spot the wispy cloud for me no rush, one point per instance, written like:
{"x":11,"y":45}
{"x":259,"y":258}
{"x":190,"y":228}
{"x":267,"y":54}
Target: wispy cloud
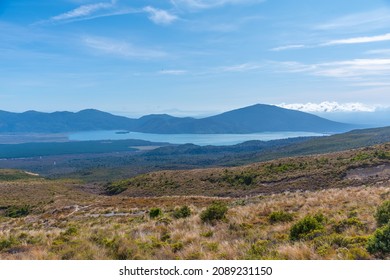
{"x":83,"y":11}
{"x":294,"y":66}
{"x":328,"y":106}
{"x":172,"y":72}
{"x":379,"y":51}
{"x":374,"y":19}
{"x":107,"y":9}
{"x":354,"y":68}
{"x":121,"y":49}
{"x":245,"y":67}
{"x":287,"y":47}
{"x":221,"y":24}
{"x":372,"y":84}
{"x":359,"y":40}
{"x":208,"y":4}
{"x":160,"y":16}
{"x":342,"y":69}
{"x":90,"y":11}
{"x":347,"y":41}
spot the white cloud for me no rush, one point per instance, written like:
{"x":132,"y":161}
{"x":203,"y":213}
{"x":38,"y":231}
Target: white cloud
{"x":160,"y":16}
{"x":245,"y":67}
{"x":82,"y":11}
{"x":369,"y":20}
{"x":327,"y":106}
{"x":112,"y":8}
{"x":359,"y":40}
{"x":379,"y":51}
{"x":355,"y":68}
{"x":342,"y":69}
{"x":347,"y":41}
{"x":208,"y":4}
{"x":120,"y":48}
{"x":91,"y":11}
{"x":372,"y":84}
{"x":172,"y":72}
{"x":287,"y":47}
{"x":220,"y":24}
{"x":294,"y":66}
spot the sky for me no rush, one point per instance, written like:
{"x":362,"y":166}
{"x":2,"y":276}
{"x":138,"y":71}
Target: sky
{"x":194,"y":57}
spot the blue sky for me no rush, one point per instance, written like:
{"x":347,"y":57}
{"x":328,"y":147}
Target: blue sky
{"x":194,"y":57}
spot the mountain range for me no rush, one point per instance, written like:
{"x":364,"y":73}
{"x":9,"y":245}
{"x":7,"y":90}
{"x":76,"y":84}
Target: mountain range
{"x":251,"y":119}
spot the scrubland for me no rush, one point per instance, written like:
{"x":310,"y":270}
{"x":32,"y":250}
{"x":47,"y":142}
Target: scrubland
{"x":319,"y":207}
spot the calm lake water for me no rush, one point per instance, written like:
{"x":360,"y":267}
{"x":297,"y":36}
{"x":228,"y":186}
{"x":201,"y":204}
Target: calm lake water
{"x":198,"y":139}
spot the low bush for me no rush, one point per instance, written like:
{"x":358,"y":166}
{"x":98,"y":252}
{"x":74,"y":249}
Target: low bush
{"x":280,"y":216}
{"x":257,"y":250}
{"x":308,"y":227}
{"x":18,"y":211}
{"x":115,"y":188}
{"x":177,"y":246}
{"x":216,"y":211}
{"x":155,"y":212}
{"x":182,"y":212}
{"x":382,"y":214}
{"x":342,"y":225}
{"x":6,"y":243}
{"x":379,"y":244}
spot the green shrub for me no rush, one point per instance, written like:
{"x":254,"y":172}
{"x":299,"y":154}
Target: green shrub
{"x":18,"y":211}
{"x":177,"y":246}
{"x":182,"y":212}
{"x":72,"y":230}
{"x":216,"y":211}
{"x":7,"y":243}
{"x":207,"y":234}
{"x":357,"y":253}
{"x":308,"y":227}
{"x":342,"y":225}
{"x":379,"y":244}
{"x":116,"y":188}
{"x":258,"y":249}
{"x":382,"y":214}
{"x":280,"y":216}
{"x":155,"y":212}
{"x":320,"y":218}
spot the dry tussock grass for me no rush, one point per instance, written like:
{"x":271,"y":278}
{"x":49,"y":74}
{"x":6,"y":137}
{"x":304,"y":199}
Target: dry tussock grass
{"x":245,"y":233}
{"x":66,"y":223}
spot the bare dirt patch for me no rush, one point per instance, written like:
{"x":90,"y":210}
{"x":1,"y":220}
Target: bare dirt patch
{"x":379,"y":172}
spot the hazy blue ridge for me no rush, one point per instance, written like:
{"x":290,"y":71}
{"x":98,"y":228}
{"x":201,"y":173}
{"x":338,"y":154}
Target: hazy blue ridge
{"x":252,"y":119}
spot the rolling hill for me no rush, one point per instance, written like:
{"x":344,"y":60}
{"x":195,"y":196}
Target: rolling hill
{"x":356,"y":167}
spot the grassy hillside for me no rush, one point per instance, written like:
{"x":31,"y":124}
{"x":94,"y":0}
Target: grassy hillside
{"x":72,"y":225}
{"x":316,"y":207}
{"x":12,"y":175}
{"x":292,"y":174}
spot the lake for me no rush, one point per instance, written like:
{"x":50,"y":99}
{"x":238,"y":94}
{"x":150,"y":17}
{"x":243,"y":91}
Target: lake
{"x":197,"y":139}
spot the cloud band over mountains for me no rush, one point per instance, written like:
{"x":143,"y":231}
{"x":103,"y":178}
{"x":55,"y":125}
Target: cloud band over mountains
{"x":328,"y":106}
